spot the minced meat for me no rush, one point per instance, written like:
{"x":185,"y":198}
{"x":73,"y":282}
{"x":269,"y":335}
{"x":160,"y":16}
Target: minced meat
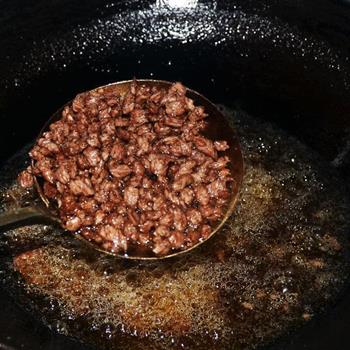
{"x":133,"y":170}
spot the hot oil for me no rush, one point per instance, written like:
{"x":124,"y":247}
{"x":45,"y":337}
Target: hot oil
{"x":281,"y":259}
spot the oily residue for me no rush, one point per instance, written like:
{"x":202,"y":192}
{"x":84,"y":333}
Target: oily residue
{"x":281,"y":259}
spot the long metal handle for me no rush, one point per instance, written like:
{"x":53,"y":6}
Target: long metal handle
{"x":20,"y":214}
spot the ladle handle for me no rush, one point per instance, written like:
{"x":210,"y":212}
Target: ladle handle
{"x":13,"y":216}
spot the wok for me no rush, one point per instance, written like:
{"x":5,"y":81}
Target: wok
{"x":283,"y":61}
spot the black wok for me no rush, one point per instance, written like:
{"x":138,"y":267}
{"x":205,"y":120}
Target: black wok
{"x":285,"y":61}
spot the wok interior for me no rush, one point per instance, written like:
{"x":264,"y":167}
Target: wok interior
{"x":233,"y":57}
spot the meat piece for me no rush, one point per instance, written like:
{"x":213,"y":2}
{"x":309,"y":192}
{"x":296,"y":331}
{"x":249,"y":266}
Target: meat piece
{"x":118,"y":151}
{"x":112,"y":101}
{"x":175,"y":101}
{"x":210,"y":212}
{"x":78,"y":103}
{"x":121,"y":122}
{"x":73,"y":223}
{"x":166,"y":219}
{"x":187,"y":196}
{"x":48,"y":145}
{"x":82,"y":162}
{"x":146,"y":227}
{"x":131,"y":196}
{"x":206,"y":231}
{"x":177,"y":146}
{"x":81,"y":186}
{"x":161,"y":129}
{"x":92,"y":155}
{"x":119,"y":171}
{"x":118,"y":240}
{"x":89,"y":205}
{"x":99,"y":216}
{"x":198,"y":157}
{"x":180,"y":220}
{"x":186,"y":168}
{"x":217,"y":188}
{"x":177,"y":239}
{"x":50,"y":190}
{"x":159,"y":164}
{"x":175,"y":108}
{"x":161,"y":246}
{"x":154,"y":215}
{"x":45,"y":168}
{"x":202,"y":195}
{"x":193,"y":237}
{"x":158,"y":203}
{"x":221,"y":163}
{"x":123,"y":134}
{"x":116,"y":220}
{"x":67,"y":170}
{"x":143,"y":145}
{"x":138,"y":117}
{"x":182,"y":181}
{"x":173,"y":197}
{"x":206,"y":146}
{"x":135,"y":181}
{"x":173,"y":122}
{"x":194,"y":217}
{"x":201,"y":175}
{"x":128,"y":103}
{"x":68,"y":204}
{"x":162,"y":231}
{"x":130,"y":232}
{"x":177,"y":89}
{"x":133,"y":216}
{"x":36,"y":154}
{"x":62,"y":174}
{"x":138,"y":168}
{"x":221,"y":145}
{"x":197,"y":114}
{"x":26,"y":179}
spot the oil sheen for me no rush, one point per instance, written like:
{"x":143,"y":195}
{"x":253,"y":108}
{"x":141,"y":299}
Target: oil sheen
{"x":281,"y":259}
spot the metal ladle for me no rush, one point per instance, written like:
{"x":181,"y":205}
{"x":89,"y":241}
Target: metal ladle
{"x":218,"y":129}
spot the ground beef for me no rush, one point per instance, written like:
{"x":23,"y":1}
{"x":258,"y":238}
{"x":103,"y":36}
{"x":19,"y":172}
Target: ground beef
{"x":133,"y":170}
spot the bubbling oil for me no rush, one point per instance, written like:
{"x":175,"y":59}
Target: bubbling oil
{"x":281,"y":258}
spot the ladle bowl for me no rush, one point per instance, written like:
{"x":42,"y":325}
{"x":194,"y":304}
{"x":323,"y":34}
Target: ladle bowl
{"x":218,"y":129}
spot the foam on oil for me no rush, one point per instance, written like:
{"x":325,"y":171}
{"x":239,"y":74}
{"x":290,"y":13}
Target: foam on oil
{"x":281,"y":258}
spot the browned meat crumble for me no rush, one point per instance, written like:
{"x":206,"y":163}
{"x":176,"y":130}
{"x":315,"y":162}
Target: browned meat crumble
{"x":133,"y":170}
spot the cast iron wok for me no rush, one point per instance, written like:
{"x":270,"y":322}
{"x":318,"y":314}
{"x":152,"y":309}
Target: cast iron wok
{"x":286,"y":61}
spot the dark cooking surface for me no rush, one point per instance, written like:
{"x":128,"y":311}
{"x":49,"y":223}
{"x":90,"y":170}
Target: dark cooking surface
{"x":278,"y":62}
